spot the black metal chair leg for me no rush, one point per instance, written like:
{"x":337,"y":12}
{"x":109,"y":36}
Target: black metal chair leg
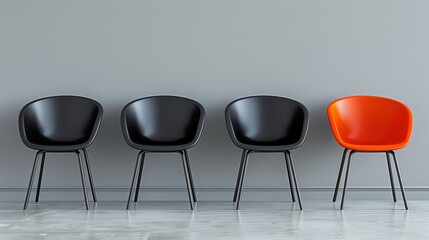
{"x":340,"y":173}
{"x":243,"y":175}
{"x":400,"y":180}
{"x":240,"y":169}
{"x":187,"y":179}
{"x":289,"y":174}
{"x":30,"y":184}
{"x":298,"y":195}
{"x":392,"y":183}
{"x":82,"y":176}
{"x":39,"y":184}
{"x":345,"y":180}
{"x":139,"y":178}
{"x":194,"y":195}
{"x":88,"y":168}
{"x":133,"y":180}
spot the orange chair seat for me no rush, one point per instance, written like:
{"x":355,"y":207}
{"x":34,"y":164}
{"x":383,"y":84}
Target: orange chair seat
{"x":372,"y":147}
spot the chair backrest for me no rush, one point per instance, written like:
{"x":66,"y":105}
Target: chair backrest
{"x":267,"y":123}
{"x":60,"y":123}
{"x":370,"y":120}
{"x":162,"y":123}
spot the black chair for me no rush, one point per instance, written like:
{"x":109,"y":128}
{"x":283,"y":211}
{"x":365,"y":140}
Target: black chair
{"x":60,"y":124}
{"x":266,"y":124}
{"x":162,"y":124}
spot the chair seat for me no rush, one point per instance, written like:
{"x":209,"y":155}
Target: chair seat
{"x":59,"y":143}
{"x":372,"y":144}
{"x":269,"y":142}
{"x":141,"y":140}
{"x":160,"y":146}
{"x":267,"y":148}
{"x":373,"y":147}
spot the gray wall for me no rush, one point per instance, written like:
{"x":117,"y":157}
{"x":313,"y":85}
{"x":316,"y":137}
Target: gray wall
{"x":313,"y":51}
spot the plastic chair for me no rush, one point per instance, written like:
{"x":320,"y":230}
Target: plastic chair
{"x":60,"y":124}
{"x":266,"y":124}
{"x":162,"y":124}
{"x":370,"y":124}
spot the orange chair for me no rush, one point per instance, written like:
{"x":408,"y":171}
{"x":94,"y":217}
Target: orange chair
{"x":370,"y":124}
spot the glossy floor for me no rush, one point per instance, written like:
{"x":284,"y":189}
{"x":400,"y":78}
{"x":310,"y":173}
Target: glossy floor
{"x":215,"y":220}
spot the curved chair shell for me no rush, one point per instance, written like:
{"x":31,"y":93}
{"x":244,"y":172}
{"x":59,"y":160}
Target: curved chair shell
{"x":370,"y":123}
{"x":162,"y":123}
{"x":60,"y":123}
{"x":267,"y":123}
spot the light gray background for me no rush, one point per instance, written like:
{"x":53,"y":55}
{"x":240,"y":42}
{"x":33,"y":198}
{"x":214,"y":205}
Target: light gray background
{"x":115,"y":51}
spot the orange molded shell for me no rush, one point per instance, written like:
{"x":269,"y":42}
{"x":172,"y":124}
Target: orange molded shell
{"x":370,"y":123}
